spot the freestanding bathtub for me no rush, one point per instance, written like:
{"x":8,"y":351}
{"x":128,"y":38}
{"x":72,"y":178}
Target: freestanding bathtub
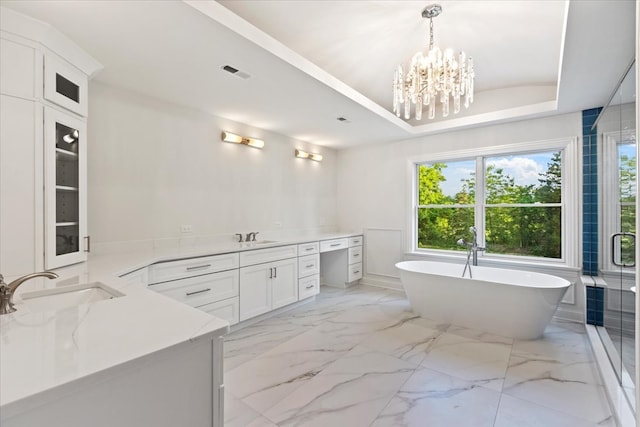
{"x":511,"y":303}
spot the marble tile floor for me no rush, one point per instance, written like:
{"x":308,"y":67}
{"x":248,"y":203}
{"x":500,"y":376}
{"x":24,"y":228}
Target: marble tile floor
{"x":360,"y":357}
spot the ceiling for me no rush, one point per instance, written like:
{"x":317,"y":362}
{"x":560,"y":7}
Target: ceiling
{"x":311,"y":62}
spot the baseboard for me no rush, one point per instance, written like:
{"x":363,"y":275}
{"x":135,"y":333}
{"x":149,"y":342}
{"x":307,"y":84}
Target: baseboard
{"x":382,"y":282}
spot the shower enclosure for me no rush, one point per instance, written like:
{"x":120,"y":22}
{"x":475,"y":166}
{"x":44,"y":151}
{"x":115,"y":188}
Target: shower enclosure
{"x":617,"y":188}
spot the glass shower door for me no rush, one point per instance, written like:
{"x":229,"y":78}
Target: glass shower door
{"x":617,"y":167}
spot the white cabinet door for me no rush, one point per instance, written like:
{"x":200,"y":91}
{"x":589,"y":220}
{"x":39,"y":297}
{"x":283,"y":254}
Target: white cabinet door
{"x":65,"y":180}
{"x":255,"y":290}
{"x":19,"y":177}
{"x":284,"y":284}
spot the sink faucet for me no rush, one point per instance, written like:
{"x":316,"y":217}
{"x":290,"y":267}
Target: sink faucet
{"x":7,"y":291}
{"x":251,"y":237}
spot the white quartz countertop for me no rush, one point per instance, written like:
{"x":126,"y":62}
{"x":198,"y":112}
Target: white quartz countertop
{"x":44,"y":354}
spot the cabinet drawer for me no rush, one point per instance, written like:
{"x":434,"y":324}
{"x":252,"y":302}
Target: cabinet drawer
{"x":260,"y":256}
{"x":355,"y":241}
{"x":308,"y":265}
{"x":333,"y":245}
{"x":308,"y":248}
{"x":308,"y":286}
{"x":200,"y":290}
{"x":228,"y":309}
{"x":355,"y":254}
{"x":172,"y":270}
{"x":355,"y":272}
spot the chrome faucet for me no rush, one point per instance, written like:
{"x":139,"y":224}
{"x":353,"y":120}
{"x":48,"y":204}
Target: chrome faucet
{"x":474,"y":246}
{"x":7,"y":291}
{"x":239,"y":237}
{"x":472,"y":249}
{"x":251,"y":237}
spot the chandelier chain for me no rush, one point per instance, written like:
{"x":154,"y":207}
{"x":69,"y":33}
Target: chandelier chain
{"x":431,"y":41}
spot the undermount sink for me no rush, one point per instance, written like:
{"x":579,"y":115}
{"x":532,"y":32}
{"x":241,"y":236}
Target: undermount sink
{"x":259,"y":242}
{"x":264,"y":242}
{"x":68,"y":296}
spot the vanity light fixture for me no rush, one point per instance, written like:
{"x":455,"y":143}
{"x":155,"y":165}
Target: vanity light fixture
{"x":311,"y":156}
{"x":237,"y":139}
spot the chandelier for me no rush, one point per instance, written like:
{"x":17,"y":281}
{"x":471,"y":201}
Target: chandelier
{"x":432,"y":77}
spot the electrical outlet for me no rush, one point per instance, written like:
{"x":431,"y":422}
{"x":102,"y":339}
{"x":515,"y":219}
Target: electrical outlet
{"x":186,"y":228}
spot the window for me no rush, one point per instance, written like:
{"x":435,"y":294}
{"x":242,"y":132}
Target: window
{"x":518,"y":201}
{"x":523,"y":204}
{"x":618,"y":197}
{"x":445,"y":203}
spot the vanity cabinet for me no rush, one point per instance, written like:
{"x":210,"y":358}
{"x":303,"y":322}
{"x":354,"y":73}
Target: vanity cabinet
{"x":308,"y":270}
{"x":210,"y":283}
{"x":269,"y":283}
{"x":341,"y":261}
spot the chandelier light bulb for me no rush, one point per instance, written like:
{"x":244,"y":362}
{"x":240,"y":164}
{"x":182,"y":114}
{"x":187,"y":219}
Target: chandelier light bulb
{"x":435,"y":77}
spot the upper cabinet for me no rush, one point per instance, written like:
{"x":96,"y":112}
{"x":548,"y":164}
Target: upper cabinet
{"x":65,"y":169}
{"x":65,"y":85}
{"x":43,"y":146}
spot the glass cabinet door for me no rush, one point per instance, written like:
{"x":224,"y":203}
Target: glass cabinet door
{"x":66,"y":240}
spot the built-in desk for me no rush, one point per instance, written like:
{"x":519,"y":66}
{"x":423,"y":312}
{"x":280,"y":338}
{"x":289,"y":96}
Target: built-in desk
{"x":341,"y":261}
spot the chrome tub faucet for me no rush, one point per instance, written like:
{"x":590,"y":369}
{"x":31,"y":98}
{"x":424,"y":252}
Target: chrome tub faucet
{"x":472,"y":249}
{"x":7,"y":290}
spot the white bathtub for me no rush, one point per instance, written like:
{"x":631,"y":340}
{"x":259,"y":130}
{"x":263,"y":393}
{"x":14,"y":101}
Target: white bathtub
{"x":510,"y":303}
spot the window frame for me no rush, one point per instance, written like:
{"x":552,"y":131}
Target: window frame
{"x":571,"y":185}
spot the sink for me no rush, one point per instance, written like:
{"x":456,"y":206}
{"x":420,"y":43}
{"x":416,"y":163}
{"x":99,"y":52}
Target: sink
{"x":68,"y":296}
{"x":264,"y":242}
{"x":258,"y":243}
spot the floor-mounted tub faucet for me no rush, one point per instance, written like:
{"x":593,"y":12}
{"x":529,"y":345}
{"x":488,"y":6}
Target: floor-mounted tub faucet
{"x":472,"y":250}
{"x":474,"y":246}
{"x":7,"y":291}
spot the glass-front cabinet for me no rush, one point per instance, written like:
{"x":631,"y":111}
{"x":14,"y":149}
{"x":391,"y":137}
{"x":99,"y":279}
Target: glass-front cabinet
{"x":65,"y":172}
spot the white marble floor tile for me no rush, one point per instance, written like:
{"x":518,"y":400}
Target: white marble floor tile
{"x":433,"y":399}
{"x":520,"y":413}
{"x":559,"y":343}
{"x":360,"y":357}
{"x":350,"y":392}
{"x":479,"y":335}
{"x":572,"y":388}
{"x":469,"y":359}
{"x":407,"y":341}
{"x":247,"y":343}
{"x":267,"y":379}
{"x":236,"y":413}
{"x":358,"y":323}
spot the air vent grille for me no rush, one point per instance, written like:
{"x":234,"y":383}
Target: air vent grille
{"x":235,"y":72}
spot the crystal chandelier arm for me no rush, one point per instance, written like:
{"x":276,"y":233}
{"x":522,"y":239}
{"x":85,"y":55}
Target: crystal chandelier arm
{"x":438,"y":76}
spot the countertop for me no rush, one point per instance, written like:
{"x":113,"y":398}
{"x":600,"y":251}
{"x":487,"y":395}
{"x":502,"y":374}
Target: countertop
{"x":51,"y":353}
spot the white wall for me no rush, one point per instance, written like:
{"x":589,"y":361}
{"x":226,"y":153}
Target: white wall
{"x":372,"y":190}
{"x":154,"y":166}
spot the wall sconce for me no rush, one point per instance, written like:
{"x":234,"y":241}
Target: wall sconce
{"x":237,"y":139}
{"x":311,"y":156}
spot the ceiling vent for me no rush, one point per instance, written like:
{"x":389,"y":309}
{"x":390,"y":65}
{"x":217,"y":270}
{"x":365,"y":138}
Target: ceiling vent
{"x":235,"y":72}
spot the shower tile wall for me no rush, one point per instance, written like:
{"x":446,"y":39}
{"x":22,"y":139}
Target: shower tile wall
{"x":595,"y":296}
